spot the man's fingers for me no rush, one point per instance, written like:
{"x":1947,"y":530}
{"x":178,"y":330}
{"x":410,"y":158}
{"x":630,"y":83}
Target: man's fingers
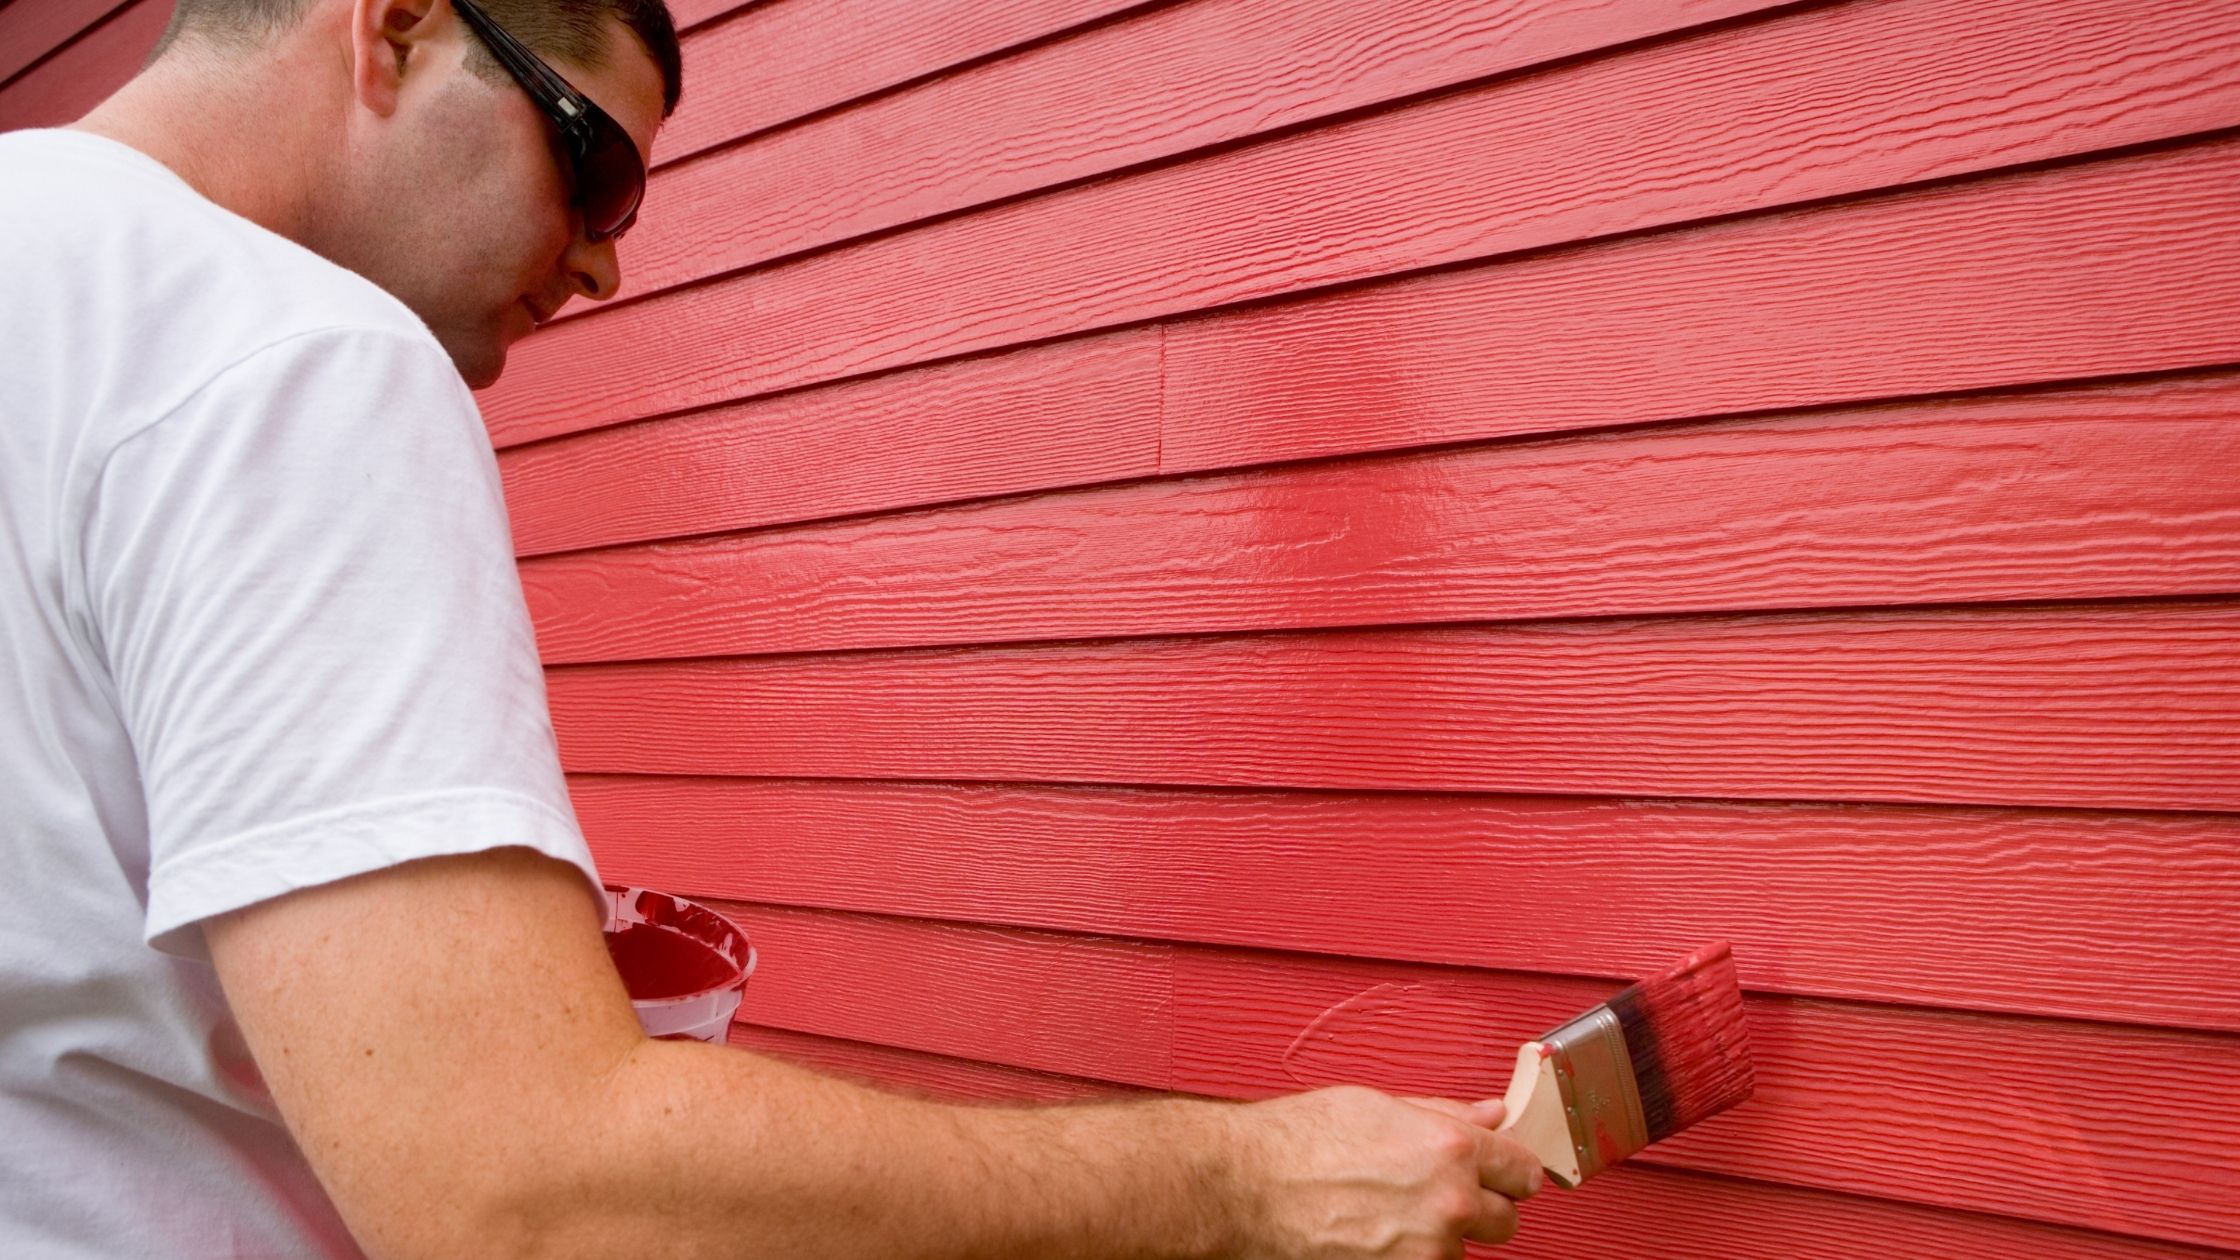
{"x":1506,"y":1167}
{"x":1497,"y":1220}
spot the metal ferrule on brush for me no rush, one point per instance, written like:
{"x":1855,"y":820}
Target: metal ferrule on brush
{"x":1600,"y":1097}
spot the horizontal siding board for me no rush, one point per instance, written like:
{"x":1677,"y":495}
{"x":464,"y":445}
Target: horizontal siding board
{"x":1045,"y":417}
{"x":2038,"y":1118}
{"x":1639,"y":1211}
{"x":82,"y":74}
{"x":2006,"y":910}
{"x":2057,"y":273}
{"x":1353,"y":203}
{"x":2058,"y":495}
{"x":1101,"y":1014}
{"x":28,"y":32}
{"x":2127,"y":706}
{"x":1175,"y":79}
{"x":1651,"y":1213}
{"x":829,"y":52}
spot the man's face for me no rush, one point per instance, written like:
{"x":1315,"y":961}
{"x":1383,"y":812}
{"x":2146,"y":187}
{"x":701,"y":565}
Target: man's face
{"x":469,"y":220}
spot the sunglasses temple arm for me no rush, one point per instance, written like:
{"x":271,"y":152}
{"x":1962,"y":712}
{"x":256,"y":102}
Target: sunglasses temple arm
{"x":525,"y":65}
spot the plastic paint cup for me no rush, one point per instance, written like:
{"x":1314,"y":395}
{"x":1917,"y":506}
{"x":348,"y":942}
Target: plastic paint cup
{"x":684,"y":965}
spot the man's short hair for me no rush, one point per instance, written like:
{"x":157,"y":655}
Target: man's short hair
{"x":556,"y":29}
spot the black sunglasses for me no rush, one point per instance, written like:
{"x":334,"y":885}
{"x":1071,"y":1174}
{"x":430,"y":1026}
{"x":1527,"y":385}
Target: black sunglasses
{"x":610,"y":177}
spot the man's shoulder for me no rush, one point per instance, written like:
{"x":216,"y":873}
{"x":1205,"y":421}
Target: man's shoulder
{"x":151,"y":255}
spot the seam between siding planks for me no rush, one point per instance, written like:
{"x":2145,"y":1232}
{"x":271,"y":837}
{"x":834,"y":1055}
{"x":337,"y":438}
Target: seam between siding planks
{"x":2117,"y":707}
{"x":946,"y":435}
{"x":2037,"y":1118}
{"x":2066,"y":494}
{"x":1988,"y":909}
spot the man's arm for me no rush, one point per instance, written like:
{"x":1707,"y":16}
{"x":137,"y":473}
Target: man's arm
{"x":450,"y":1045}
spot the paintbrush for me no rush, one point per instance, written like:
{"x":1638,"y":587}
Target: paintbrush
{"x":1637,"y":1069}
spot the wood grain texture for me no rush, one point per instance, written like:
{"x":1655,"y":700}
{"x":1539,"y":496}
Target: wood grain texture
{"x":1051,"y":416}
{"x":1639,"y":1211}
{"x":2066,"y":494}
{"x":28,"y":32}
{"x":2038,"y":1118}
{"x":2114,"y":266}
{"x":1649,"y":1213}
{"x":833,"y":51}
{"x":1195,"y":75}
{"x":82,"y":73}
{"x":2003,"y":910}
{"x":1799,"y":310}
{"x":1665,"y":1214}
{"x":1169,"y":81}
{"x":2023,"y":279}
{"x":2128,"y":706}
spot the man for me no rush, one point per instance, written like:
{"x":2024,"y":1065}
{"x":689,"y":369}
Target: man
{"x":299,"y":956}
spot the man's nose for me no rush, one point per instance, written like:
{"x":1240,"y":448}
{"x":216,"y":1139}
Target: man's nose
{"x":592,"y":268}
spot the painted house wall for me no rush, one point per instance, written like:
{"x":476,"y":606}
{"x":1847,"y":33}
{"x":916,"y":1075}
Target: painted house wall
{"x":1231,"y":545}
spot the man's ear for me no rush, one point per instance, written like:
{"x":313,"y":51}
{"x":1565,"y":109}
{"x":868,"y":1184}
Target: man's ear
{"x":385,"y":36}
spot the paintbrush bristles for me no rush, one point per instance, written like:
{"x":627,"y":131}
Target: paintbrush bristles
{"x":1689,"y":1044}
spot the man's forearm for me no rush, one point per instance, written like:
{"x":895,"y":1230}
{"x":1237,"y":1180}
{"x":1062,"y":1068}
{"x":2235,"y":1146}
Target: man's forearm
{"x":701,"y":1151}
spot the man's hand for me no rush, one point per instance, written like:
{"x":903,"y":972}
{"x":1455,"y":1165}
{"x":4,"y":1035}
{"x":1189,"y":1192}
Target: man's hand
{"x":1349,"y":1173}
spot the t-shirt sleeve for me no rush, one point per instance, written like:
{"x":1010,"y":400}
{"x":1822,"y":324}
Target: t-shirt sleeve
{"x":303,"y":583}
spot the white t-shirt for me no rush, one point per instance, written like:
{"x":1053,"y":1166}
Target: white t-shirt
{"x":260,"y":629}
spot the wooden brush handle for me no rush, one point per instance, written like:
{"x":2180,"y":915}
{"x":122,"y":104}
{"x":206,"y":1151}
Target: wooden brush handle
{"x":1535,"y":1115}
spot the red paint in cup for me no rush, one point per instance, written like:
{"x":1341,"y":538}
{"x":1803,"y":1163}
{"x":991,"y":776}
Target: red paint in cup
{"x":685,"y":966}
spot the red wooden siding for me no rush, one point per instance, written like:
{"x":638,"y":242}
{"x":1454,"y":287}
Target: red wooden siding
{"x":30,"y":32}
{"x":1803,"y":102}
{"x":59,"y":58}
{"x":1229,"y":545}
{"x":831,"y":52}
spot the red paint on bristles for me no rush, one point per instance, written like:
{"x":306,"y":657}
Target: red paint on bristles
{"x":1688,"y":1040}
